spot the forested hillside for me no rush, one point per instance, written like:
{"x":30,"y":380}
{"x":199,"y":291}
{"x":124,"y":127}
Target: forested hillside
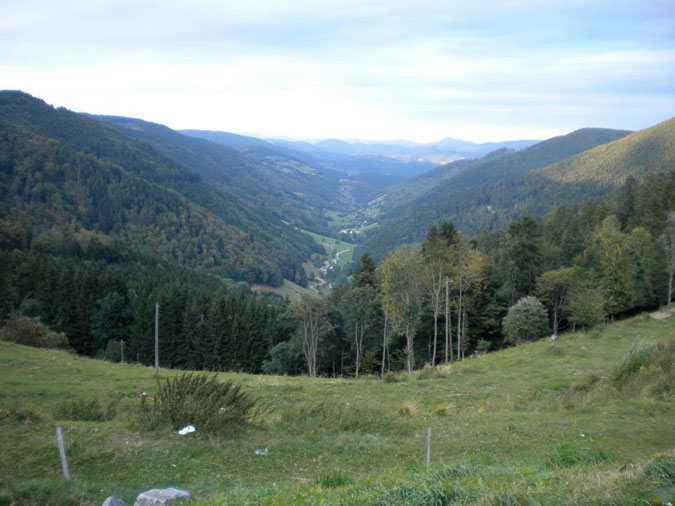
{"x":283,"y":186}
{"x":223,"y":233}
{"x":495,"y":191}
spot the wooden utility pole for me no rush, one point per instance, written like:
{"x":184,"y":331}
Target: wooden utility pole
{"x":62,"y":453}
{"x":156,"y":338}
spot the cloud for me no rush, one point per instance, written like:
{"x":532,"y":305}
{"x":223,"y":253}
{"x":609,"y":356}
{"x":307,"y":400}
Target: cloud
{"x":345,"y":69}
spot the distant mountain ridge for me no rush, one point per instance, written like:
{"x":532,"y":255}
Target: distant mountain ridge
{"x":399,"y":159}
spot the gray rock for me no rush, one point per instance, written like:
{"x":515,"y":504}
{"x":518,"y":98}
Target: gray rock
{"x":113,"y":501}
{"x":161,"y":497}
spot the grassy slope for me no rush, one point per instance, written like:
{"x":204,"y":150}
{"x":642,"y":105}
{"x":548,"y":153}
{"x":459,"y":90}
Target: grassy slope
{"x":497,"y":420}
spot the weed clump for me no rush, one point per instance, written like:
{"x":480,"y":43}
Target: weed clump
{"x":392,"y":377}
{"x":586,"y":382}
{"x":419,"y":495}
{"x":200,"y":400}
{"x":662,"y":469}
{"x":647,"y":369}
{"x":572,"y":454}
{"x":640,"y":355}
{"x":18,"y":416}
{"x":431,"y":373}
{"x":407,"y":409}
{"x":334,"y":479}
{"x":90,"y":411}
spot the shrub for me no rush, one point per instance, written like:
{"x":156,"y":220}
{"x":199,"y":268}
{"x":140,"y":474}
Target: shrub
{"x":81,"y":409}
{"x":525,"y":321}
{"x":663,"y":469}
{"x":29,"y":331}
{"x":640,"y":355}
{"x":586,"y":305}
{"x":200,"y":400}
{"x":391,"y":377}
{"x":572,"y":454}
{"x":283,"y":360}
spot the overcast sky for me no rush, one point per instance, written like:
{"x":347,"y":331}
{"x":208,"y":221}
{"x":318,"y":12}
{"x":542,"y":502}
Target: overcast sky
{"x":418,"y":70}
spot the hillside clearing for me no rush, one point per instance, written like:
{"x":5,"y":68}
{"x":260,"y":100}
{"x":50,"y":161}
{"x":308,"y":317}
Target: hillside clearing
{"x":535,"y":424}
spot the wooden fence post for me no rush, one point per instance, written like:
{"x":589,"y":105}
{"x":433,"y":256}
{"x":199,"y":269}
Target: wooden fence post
{"x":428,"y":446}
{"x":62,"y":453}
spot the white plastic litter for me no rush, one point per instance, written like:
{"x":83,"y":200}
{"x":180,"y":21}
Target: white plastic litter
{"x":187,"y":430}
{"x":261,"y":451}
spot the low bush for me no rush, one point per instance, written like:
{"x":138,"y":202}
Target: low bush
{"x":29,"y":331}
{"x":90,"y":411}
{"x":527,"y":320}
{"x":640,"y":355}
{"x":200,"y":400}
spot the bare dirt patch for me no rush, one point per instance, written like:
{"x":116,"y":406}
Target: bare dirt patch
{"x":662,"y":315}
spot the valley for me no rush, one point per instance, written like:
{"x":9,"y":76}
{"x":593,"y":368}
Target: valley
{"x":360,"y":297}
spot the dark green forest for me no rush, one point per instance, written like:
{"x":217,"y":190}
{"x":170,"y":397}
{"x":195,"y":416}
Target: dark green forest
{"x":61,"y":169}
{"x":605,"y":258}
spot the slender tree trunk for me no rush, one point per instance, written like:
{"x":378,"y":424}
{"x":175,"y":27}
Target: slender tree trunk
{"x":670,"y":286}
{"x":384,"y":340}
{"x":409,"y":348}
{"x":447,"y":282}
{"x":464,"y":328}
{"x":555,"y":319}
{"x":356,"y":343}
{"x":438,"y":283}
{"x":342,"y":362}
{"x":433,"y":353}
{"x":459,"y":324}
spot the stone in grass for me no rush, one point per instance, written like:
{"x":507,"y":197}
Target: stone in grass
{"x":113,"y":501}
{"x":161,"y":497}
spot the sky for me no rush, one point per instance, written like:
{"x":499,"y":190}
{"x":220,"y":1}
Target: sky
{"x":418,"y":70}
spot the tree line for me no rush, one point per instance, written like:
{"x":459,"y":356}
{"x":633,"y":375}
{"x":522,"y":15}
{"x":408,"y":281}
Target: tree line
{"x":431,"y":303}
{"x":452,"y":296}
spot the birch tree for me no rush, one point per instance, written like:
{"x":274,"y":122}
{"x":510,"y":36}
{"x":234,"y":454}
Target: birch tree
{"x":360,"y":307}
{"x":402,"y":278}
{"x":437,"y":251}
{"x":468,"y":268}
{"x":668,"y":239}
{"x":313,"y":325}
{"x":551,"y":289}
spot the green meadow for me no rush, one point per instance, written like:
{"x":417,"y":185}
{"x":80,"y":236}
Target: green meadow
{"x":586,"y":419}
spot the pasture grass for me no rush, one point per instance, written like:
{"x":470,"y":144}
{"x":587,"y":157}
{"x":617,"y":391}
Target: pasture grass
{"x":541,"y":423}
